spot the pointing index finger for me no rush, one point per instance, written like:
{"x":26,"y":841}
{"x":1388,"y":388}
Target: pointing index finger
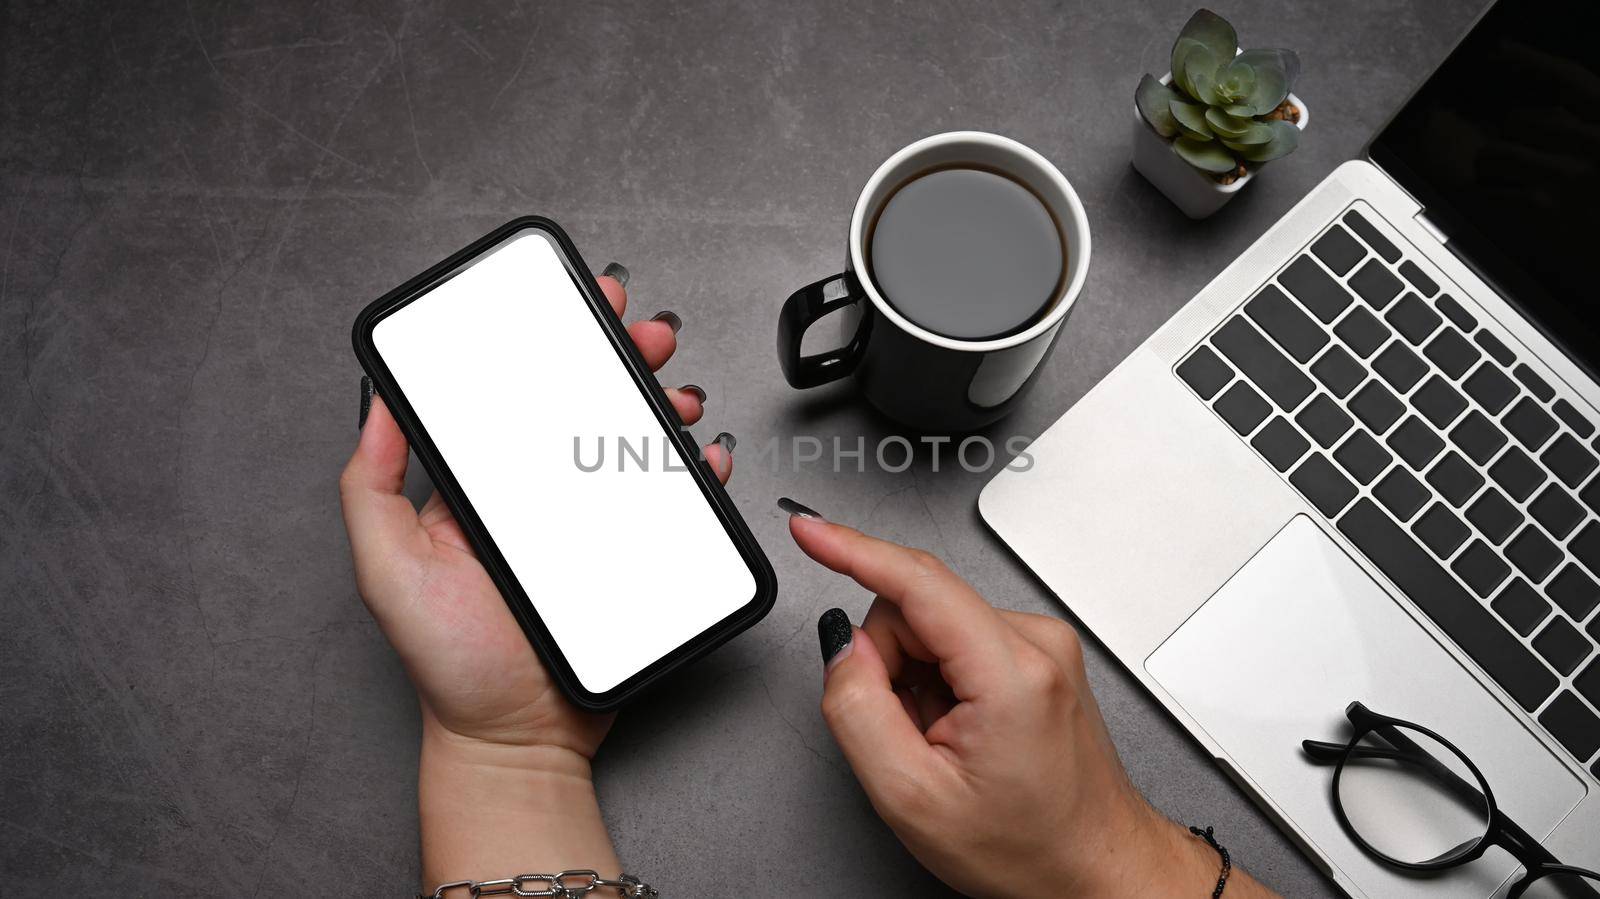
{"x":967,"y":636}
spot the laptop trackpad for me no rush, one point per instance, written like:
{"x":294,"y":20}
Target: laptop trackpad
{"x":1301,"y":631}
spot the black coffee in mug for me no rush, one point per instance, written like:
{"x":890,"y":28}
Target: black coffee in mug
{"x":967,"y":253}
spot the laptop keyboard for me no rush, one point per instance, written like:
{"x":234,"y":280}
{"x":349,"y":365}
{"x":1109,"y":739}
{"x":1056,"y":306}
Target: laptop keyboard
{"x":1449,"y":463}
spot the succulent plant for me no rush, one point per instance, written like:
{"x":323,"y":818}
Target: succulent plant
{"x":1216,"y":108}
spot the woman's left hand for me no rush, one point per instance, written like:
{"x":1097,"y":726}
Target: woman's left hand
{"x":475,"y":673}
{"x":496,"y":728}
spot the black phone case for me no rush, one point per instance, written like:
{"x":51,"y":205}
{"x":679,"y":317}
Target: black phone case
{"x":510,"y":589}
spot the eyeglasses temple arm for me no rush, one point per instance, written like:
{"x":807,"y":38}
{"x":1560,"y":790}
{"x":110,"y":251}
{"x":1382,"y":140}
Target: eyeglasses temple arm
{"x":1323,"y":752}
{"x":1526,"y":848}
{"x":1574,"y":870}
{"x":1330,"y":753}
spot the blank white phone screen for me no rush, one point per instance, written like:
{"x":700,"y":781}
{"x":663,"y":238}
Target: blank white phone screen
{"x":519,"y":388}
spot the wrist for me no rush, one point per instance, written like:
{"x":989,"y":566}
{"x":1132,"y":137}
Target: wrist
{"x":1147,"y":854}
{"x":447,"y":749}
{"x":1172,"y":861}
{"x":492,"y":810}
{"x":1180,"y":862}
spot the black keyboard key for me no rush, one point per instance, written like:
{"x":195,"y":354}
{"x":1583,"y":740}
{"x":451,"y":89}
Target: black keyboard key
{"x":1418,"y":278}
{"x":1533,"y":554}
{"x":1573,"y":726}
{"x":1591,"y":495}
{"x":1494,"y":515}
{"x":1492,"y":345}
{"x":1478,"y":437}
{"x":1338,"y":371}
{"x":1455,"y":479}
{"x":1338,"y":250}
{"x":1480,"y":568}
{"x":1261,"y":362}
{"x":1452,"y":353}
{"x":1516,"y":474}
{"x":1456,"y":313}
{"x":1204,"y":372}
{"x":1371,"y":235}
{"x":1426,"y":583}
{"x":1362,"y":332}
{"x":1374,"y":283}
{"x":1415,"y":442}
{"x":1401,"y":493}
{"x":1529,"y":423}
{"x":1323,"y":485}
{"x":1521,"y":606}
{"x":1413,"y":318}
{"x":1569,"y":460}
{"x":1574,"y":591}
{"x":1440,"y":530}
{"x":1586,"y":546}
{"x":1315,"y":289}
{"x":1438,"y":402}
{"x":1536,"y":385}
{"x":1377,"y":408}
{"x":1561,"y":645}
{"x":1490,"y":388}
{"x":1574,"y":419}
{"x":1362,"y":457}
{"x":1284,"y":322}
{"x":1399,"y":366}
{"x":1324,"y":420}
{"x":1280,"y":443}
{"x":1588,"y":682}
{"x":1242,"y":408}
{"x":1557,"y":511}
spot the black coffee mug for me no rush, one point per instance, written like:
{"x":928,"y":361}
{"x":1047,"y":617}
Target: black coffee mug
{"x":925,"y":380}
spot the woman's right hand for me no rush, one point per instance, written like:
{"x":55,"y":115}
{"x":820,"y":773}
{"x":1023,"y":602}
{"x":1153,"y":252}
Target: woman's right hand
{"x":976,"y":737}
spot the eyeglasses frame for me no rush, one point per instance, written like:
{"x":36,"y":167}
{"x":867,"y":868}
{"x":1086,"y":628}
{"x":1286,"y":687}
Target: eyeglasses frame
{"x":1501,"y":831}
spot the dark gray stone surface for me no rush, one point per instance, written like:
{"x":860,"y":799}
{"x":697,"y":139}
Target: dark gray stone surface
{"x":195,"y":200}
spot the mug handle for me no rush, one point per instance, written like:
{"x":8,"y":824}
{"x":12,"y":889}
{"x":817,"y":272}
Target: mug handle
{"x":803,"y":308}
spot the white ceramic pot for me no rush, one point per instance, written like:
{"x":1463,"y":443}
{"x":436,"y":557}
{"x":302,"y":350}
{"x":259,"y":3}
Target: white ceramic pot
{"x":1191,"y":190}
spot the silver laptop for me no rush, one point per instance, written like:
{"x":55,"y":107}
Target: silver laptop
{"x":1361,"y":465}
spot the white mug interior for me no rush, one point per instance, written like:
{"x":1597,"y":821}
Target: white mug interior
{"x":991,"y":151}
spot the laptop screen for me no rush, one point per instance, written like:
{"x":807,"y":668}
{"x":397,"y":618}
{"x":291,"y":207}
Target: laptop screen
{"x":1502,"y":148}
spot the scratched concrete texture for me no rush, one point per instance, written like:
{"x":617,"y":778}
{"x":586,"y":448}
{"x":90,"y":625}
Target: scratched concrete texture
{"x":197,"y":197}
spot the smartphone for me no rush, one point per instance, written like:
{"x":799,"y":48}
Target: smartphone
{"x":586,"y":499}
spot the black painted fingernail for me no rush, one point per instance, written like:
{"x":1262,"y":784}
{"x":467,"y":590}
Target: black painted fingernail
{"x":727,"y":442}
{"x":366,"y":401}
{"x":698,"y":391}
{"x":617,"y":271}
{"x":834,"y":633}
{"x":671,"y":318}
{"x":797,"y":509}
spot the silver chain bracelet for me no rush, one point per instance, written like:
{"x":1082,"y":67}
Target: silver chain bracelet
{"x":554,"y":886}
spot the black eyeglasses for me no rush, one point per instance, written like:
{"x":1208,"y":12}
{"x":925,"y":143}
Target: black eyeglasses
{"x":1411,"y":799}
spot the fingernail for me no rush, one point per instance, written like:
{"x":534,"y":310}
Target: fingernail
{"x":698,"y":391}
{"x":727,"y":442}
{"x":671,"y":318}
{"x":366,"y":401}
{"x":834,"y":633}
{"x":617,"y":271}
{"x":797,"y":509}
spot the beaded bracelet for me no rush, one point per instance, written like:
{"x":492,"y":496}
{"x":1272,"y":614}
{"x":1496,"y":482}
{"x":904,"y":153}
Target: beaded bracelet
{"x":1227,"y":863}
